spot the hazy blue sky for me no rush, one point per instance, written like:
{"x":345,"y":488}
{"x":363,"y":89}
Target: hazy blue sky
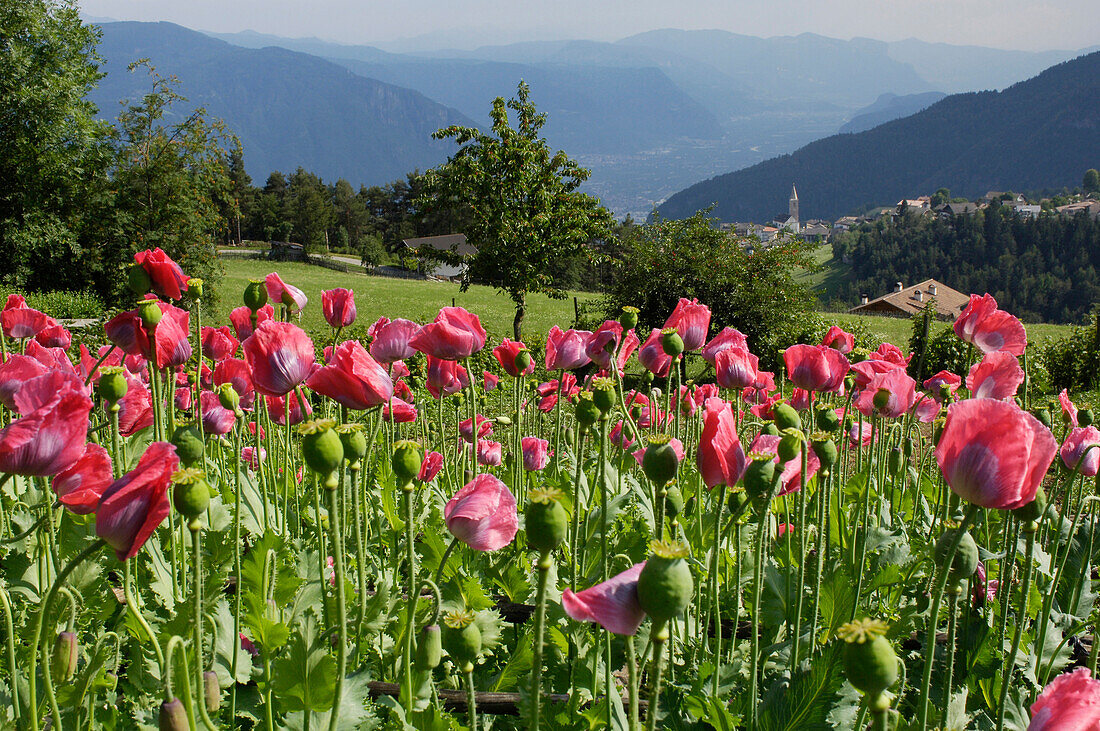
{"x":1022,"y":24}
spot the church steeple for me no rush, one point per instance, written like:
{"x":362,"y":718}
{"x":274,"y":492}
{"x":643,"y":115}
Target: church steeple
{"x":792,"y":206}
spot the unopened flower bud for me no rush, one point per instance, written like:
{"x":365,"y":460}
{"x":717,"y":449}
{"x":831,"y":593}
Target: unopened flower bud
{"x":674,"y":502}
{"x":965,"y":562}
{"x":1085,"y":418}
{"x":429,"y":648}
{"x":173,"y":717}
{"x":1042,"y":413}
{"x":212,"y":691}
{"x":63,"y":659}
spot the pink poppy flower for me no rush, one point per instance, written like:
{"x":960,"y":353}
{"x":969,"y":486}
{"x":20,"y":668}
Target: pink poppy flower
{"x":815,"y":367}
{"x":398,"y":369}
{"x":927,"y":408}
{"x":839,"y":340}
{"x":354,"y":379}
{"x":237,"y":374}
{"x":218,"y":343}
{"x":730,"y":337}
{"x":135,"y":505}
{"x":241,"y":319}
{"x":285,"y":294}
{"x":990,"y":329}
{"x":791,"y":476}
{"x":602,"y":344}
{"x":890,"y":394}
{"x":565,"y":349}
{"x":489,"y":381}
{"x":280,"y":355}
{"x":54,"y":336}
{"x":506,"y":353}
{"x":22,"y":322}
{"x":445,"y":377}
{"x":87,"y":362}
{"x":993,"y":453}
{"x":53,"y":428}
{"x":391,"y":341}
{"x":653,"y":357}
{"x":865,"y":371}
{"x":721,"y":459}
{"x":53,"y":358}
{"x":401,"y":390}
{"x":299,"y":410}
{"x":1081,"y":450}
{"x":135,"y":409}
{"x":612,"y":604}
{"x":248,"y":456}
{"x":801,"y":399}
{"x":80,"y":485}
{"x":618,"y":437}
{"x":735,"y":367}
{"x":489,"y":454}
{"x":935,"y":384}
{"x":14,"y":302}
{"x":184,"y":397}
{"x":484,"y":428}
{"x":536,"y":453}
{"x":1070,"y":702}
{"x":14,"y":372}
{"x":997,"y":376}
{"x":757,"y":391}
{"x":763,"y":408}
{"x":703,"y":392}
{"x":338,"y":307}
{"x":167,"y":276}
{"x":399,"y":411}
{"x":429,"y":468}
{"x":859,"y":434}
{"x":891,"y":354}
{"x":482,"y":514}
{"x":455,"y":334}
{"x":783,"y":529}
{"x":692,"y":321}
{"x":1069,"y":409}
{"x":172,"y":336}
{"x":630,"y":343}
{"x":216,"y":419}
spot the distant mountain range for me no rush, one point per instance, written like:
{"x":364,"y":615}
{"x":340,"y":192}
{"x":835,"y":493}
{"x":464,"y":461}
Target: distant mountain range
{"x":649,"y":114}
{"x":887,"y":108}
{"x":1040,"y":133}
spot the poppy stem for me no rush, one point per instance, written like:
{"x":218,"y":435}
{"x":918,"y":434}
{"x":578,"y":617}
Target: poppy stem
{"x":546,"y":562}
{"x":717,"y":618}
{"x":660,"y":636}
{"x":332,"y":487}
{"x":1028,"y":529}
{"x":9,"y":628}
{"x":471,"y":696}
{"x":757,"y":591}
{"x":632,"y":681}
{"x":414,"y":595}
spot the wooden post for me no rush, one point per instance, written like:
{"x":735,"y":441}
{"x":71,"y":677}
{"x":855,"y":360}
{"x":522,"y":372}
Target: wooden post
{"x":576,"y":312}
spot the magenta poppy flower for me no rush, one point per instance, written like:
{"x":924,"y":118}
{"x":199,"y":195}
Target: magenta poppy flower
{"x":54,"y":336}
{"x":172,"y":336}
{"x":935,"y":384}
{"x":730,"y":337}
{"x":136,"y":504}
{"x":997,"y":376}
{"x":466,"y":428}
{"x":1069,"y":409}
{"x":815,"y":367}
{"x":764,"y":407}
{"x":248,"y":456}
{"x":677,"y":448}
{"x":757,"y":391}
{"x":506,"y":353}
{"x":603,"y":342}
{"x":216,"y":419}
{"x":280,"y":355}
{"x":354,"y":379}
{"x":536,"y":453}
{"x":218,"y":343}
{"x":445,"y":377}
{"x":993,"y":453}
{"x":859,"y":433}
{"x":14,"y":372}
{"x":630,"y":343}
{"x":791,"y":476}
{"x":1070,"y":702}
{"x":482,"y":514}
{"x":839,"y":340}
{"x":455,"y":334}
{"x":381,"y":322}
{"x":402,"y":390}
{"x":891,"y":354}
{"x":285,"y":294}
{"x":338,"y":307}
{"x":167,"y":276}
{"x":489,"y":381}
{"x":430,"y":467}
{"x":990,"y":329}
{"x":890,"y":394}
{"x":53,"y":358}
{"x":565,"y":349}
{"x":135,"y":409}
{"x":692,"y":321}
{"x":80,"y":485}
{"x":653,"y":357}
{"x":14,"y":302}
{"x":22,"y":322}
{"x":184,"y":397}
{"x":612,"y":604}
{"x":735,"y":367}
{"x":720,"y":458}
{"x":865,"y":371}
{"x":51,"y":433}
{"x":801,"y":399}
{"x":703,"y":392}
{"x":391,"y":341}
{"x":299,"y":410}
{"x":927,"y":408}
{"x":1081,"y":450}
{"x":619,"y":438}
{"x":87,"y":362}
{"x":399,"y":411}
{"x":237,"y":374}
{"x":241,"y":319}
{"x":489,"y":454}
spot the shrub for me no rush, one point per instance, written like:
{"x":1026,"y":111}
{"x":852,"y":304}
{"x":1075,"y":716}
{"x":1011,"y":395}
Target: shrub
{"x":65,"y":305}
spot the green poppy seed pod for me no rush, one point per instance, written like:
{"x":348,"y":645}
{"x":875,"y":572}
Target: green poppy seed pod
{"x":629,"y":318}
{"x":659,"y":462}
{"x":587,"y":413}
{"x":66,"y":649}
{"x":965,"y":562}
{"x":429,"y":648}
{"x":827,"y":420}
{"x":139,"y":280}
{"x":229,"y":398}
{"x":321,"y":447}
{"x":150,"y":313}
{"x":406,"y":461}
{"x":354,"y":441}
{"x":665,"y":586}
{"x":1085,"y":418}
{"x":849,"y":381}
{"x":785,"y":417}
{"x":212,"y":691}
{"x":870,"y":663}
{"x":671,"y":342}
{"x":896,"y":460}
{"x":459,"y":398}
{"x":112,"y":384}
{"x":189,"y":445}
{"x":881,"y":399}
{"x":825,"y":449}
{"x":190,"y":492}
{"x":1033,"y":510}
{"x":255,"y":295}
{"x":770,"y":429}
{"x":674,"y":502}
{"x":647,"y":378}
{"x":462,"y":638}
{"x":603,"y":394}
{"x":760,"y":476}
{"x":545,"y":519}
{"x":522,"y":360}
{"x":173,"y":717}
{"x":790,"y":445}
{"x":737,"y":501}
{"x":195,"y":288}
{"x":1042,"y":413}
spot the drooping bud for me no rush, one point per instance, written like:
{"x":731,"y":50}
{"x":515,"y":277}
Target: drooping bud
{"x":659,"y":462}
{"x":965,"y":562}
{"x":674,"y":502}
{"x":870,"y":662}
{"x":63,"y":659}
{"x":190,"y":492}
{"x":255,"y":296}
{"x":429,"y":648}
{"x":212,"y":689}
{"x":896,"y":460}
{"x":406,"y":461}
{"x":665,"y":586}
{"x":173,"y":717}
{"x":546,"y":519}
{"x":629,"y":318}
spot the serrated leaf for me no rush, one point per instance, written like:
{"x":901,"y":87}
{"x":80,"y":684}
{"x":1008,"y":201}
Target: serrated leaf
{"x":306,"y":676}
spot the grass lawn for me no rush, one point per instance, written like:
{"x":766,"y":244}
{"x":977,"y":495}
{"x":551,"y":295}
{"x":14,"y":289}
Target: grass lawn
{"x":896,"y":330}
{"x":415,"y":300}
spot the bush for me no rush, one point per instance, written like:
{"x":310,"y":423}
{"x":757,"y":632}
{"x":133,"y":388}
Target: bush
{"x":65,"y":305}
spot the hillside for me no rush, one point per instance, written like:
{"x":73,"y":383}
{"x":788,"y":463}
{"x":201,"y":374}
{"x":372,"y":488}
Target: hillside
{"x":289,"y":109}
{"x":1040,"y":133}
{"x":887,"y":108}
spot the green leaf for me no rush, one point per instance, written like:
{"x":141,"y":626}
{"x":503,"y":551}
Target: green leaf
{"x":710,"y":710}
{"x":804,"y":702}
{"x":305,"y":678}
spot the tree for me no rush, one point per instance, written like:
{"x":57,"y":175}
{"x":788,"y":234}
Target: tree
{"x":1091,"y":183}
{"x":523,"y":209}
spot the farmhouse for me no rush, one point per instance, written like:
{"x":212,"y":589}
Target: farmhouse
{"x":905,"y":301}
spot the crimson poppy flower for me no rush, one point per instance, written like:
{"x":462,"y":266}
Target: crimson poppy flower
{"x":445,"y":377}
{"x":612,"y":604}
{"x":815,"y":367}
{"x":489,"y":454}
{"x":281,"y":357}
{"x":391,"y":341}
{"x":299,"y":410}
{"x":354,"y":379}
{"x":14,"y":372}
{"x":285,"y":294}
{"x":935,"y":384}
{"x":22,"y":322}
{"x":241,"y":319}
{"x":52,"y":430}
{"x":993,"y":453}
{"x":1069,"y":409}
{"x":891,"y":354}
{"x":890,"y":394}
{"x":172,"y":336}
{"x":730,"y":337}
{"x":506,"y":353}
{"x":455,"y":334}
{"x":184,"y":398}
{"x":653,"y":357}
{"x":429,"y":468}
{"x":216,"y":419}
{"x":791,"y":475}
{"x":237,"y":374}
{"x":338,"y":307}
{"x":720,"y":458}
{"x":618,"y":437}
{"x":80,"y":486}
{"x":840,"y":340}
{"x":167,"y":276}
{"x":14,"y":302}
{"x":466,"y":428}
{"x":536,"y":453}
{"x":565,"y":349}
{"x":603,"y":342}
{"x":990,"y":329}
{"x":1070,"y":701}
{"x":399,"y":411}
{"x":489,"y":381}
{"x":135,"y":505}
{"x":218,"y":343}
{"x":135,"y":409}
{"x":691,"y":321}
{"x":735,"y":367}
{"x":55,"y":336}
{"x":1081,"y":450}
{"x":482,"y":514}
{"x":997,"y":376}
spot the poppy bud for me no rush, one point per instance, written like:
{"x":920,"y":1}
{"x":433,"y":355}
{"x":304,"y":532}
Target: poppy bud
{"x":770,"y":429}
{"x":66,"y":648}
{"x":354,"y":441}
{"x":665,"y":586}
{"x":647,"y":378}
{"x":587,"y":412}
{"x":546,"y":519}
{"x":760,"y":477}
{"x":321,"y":447}
{"x":173,"y":717}
{"x":908,"y":445}
{"x":429,"y":648}
{"x":463,"y":637}
{"x":522,"y":360}
{"x":212,"y":689}
{"x":190,"y":492}
{"x":659,"y":462}
{"x":785,"y":417}
{"x":850,"y":381}
{"x":827,"y":420}
{"x":503,"y":420}
{"x":1043,"y":415}
{"x":228,"y":397}
{"x":603,"y":394}
{"x":1085,"y":418}
{"x":629,"y":318}
{"x":896,"y":460}
{"x":255,"y":295}
{"x":674,"y":502}
{"x":1033,"y":510}
{"x":149,"y":312}
{"x":110,"y":681}
{"x":406,"y":461}
{"x":112,"y":384}
{"x":965,"y":562}
{"x":945,"y":392}
{"x":825,"y":449}
{"x":870,"y":663}
{"x":671,"y":342}
{"x":139,"y":280}
{"x":937,"y":429}
{"x":189,"y":445}
{"x":790,"y":445}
